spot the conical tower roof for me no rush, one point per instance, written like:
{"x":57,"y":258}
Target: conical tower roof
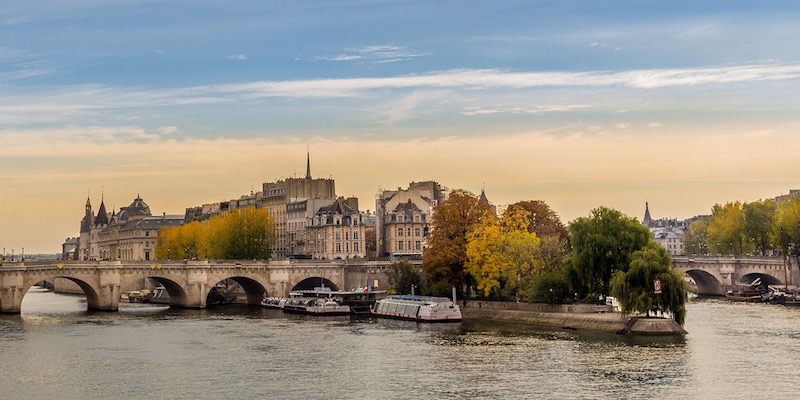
{"x":102,"y":215}
{"x":646,"y":220}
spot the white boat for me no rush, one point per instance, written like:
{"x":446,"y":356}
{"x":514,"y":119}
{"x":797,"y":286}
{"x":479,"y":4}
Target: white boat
{"x":418,"y":308}
{"x":273,"y":302}
{"x":360,"y":300}
{"x":160,"y":296}
{"x":314,"y":306}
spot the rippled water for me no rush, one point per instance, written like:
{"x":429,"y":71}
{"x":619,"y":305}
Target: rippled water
{"x":57,"y":349}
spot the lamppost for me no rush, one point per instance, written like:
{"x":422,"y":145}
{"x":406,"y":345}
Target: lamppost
{"x":23,"y":254}
{"x":168,"y":253}
{"x":206,"y":253}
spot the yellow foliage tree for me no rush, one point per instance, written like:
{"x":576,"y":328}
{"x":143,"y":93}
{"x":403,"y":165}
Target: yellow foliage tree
{"x":500,"y":252}
{"x":246,"y":233}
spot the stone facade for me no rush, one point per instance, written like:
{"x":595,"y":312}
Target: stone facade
{"x":403,"y":217}
{"x":337,"y":231}
{"x":129,"y":235}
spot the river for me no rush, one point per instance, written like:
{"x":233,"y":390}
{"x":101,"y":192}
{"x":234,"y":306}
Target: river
{"x":56,"y":349}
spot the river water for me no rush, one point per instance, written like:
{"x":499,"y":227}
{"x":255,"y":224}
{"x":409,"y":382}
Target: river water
{"x":56,"y":349}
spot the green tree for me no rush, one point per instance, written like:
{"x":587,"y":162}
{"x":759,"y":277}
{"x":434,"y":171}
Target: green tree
{"x":403,"y":275}
{"x":726,"y":229}
{"x":758,"y":218}
{"x":446,"y":255}
{"x":634,"y":288}
{"x":550,"y":288}
{"x":602,"y":244}
{"x":695,"y":238}
{"x":500,"y":252}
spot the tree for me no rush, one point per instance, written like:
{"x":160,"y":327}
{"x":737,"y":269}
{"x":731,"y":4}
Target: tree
{"x":403,"y":275}
{"x":444,"y":260}
{"x":246,"y":233}
{"x":370,"y":243}
{"x":634,"y":288}
{"x":695,"y":237}
{"x":726,"y":229}
{"x":758,"y":218}
{"x":500,"y":252}
{"x":542,"y":220}
{"x":785,"y":229}
{"x":602,"y":244}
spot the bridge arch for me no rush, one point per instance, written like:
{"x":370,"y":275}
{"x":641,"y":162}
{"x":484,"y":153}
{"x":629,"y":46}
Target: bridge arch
{"x":177,"y":296}
{"x":706,"y":282}
{"x":253,"y":289}
{"x":313,"y":282}
{"x":93,"y":301}
{"x":766,"y":280}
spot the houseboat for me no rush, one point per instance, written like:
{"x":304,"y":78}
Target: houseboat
{"x":418,"y":308}
{"x":749,"y":292}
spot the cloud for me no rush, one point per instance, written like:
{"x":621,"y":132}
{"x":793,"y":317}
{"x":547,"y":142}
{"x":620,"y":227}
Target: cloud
{"x":523,"y":110}
{"x":655,"y":125}
{"x":374,"y":54}
{"x":622,"y":125}
{"x":238,"y":57}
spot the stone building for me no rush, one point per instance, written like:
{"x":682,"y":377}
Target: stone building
{"x":668,"y":232}
{"x":403,"y":217}
{"x":337,"y":231}
{"x":128,"y":235}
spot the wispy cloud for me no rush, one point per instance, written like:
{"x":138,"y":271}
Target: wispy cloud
{"x":523,"y":110}
{"x":374,"y":54}
{"x":238,"y":57}
{"x":689,"y":32}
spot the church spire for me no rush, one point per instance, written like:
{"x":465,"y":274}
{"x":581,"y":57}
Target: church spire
{"x":308,"y":163}
{"x":646,"y":220}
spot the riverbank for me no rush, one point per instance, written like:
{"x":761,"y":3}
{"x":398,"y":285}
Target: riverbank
{"x":571,"y":316}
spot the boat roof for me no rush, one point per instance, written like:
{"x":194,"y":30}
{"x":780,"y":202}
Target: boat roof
{"x":408,"y":297}
{"x":316,"y":292}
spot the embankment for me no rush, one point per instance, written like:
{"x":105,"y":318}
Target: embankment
{"x":571,"y":316}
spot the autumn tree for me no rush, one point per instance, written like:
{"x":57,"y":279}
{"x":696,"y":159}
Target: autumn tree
{"x":758,"y":217}
{"x":726,"y":229}
{"x":785,"y":229}
{"x":602,"y":244}
{"x":500,"y":252}
{"x":542,"y":220}
{"x":246,"y":233}
{"x":446,"y":255}
{"x":635,"y":287}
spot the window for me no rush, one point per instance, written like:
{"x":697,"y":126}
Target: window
{"x":355,"y":235}
{"x":355,"y":247}
{"x":416,"y":218}
{"x":418,"y":245}
{"x":400,"y":246}
{"x":417,"y":232}
{"x":399,"y":231}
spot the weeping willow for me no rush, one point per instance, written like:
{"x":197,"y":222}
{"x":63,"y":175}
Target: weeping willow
{"x":634,"y":289}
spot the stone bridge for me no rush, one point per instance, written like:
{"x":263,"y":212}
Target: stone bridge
{"x":188,"y":283}
{"x":714,"y":275}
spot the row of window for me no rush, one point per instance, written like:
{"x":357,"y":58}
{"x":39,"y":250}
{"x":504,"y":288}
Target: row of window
{"x":417,"y":231}
{"x":406,"y":246}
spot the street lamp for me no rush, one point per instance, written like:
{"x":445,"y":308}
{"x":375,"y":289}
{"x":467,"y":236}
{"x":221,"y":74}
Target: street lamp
{"x":23,"y":254}
{"x":168,"y":253}
{"x":206,"y":253}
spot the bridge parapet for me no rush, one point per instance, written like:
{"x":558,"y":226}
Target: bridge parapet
{"x":714,"y":274}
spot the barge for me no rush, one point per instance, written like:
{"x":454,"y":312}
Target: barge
{"x":418,"y":308}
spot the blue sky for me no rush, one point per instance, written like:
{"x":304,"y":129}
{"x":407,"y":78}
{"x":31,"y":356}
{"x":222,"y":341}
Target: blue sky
{"x":579,"y":103}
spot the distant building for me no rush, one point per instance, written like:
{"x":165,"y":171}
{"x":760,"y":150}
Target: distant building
{"x":668,"y":232}
{"x":403,"y":217}
{"x":69,"y":247}
{"x":337,"y":231}
{"x":128,"y":235}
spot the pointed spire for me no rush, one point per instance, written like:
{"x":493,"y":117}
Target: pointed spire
{"x":646,"y":220}
{"x":308,"y":163}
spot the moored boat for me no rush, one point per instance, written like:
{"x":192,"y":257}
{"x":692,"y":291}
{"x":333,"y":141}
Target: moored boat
{"x":418,"y":308}
{"x":314,"y":306}
{"x":748,"y":292}
{"x":360,"y":300}
{"x":273,"y":302}
{"x":160,"y":296}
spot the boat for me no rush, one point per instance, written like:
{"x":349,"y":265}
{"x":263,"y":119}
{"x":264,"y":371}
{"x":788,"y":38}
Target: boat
{"x":360,"y":300}
{"x":747,"y":292}
{"x":136,"y":296}
{"x":273,"y":302}
{"x":314,"y":306}
{"x":418,"y":308}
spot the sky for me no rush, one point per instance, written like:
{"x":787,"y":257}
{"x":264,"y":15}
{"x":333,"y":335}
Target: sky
{"x":581,"y":104}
